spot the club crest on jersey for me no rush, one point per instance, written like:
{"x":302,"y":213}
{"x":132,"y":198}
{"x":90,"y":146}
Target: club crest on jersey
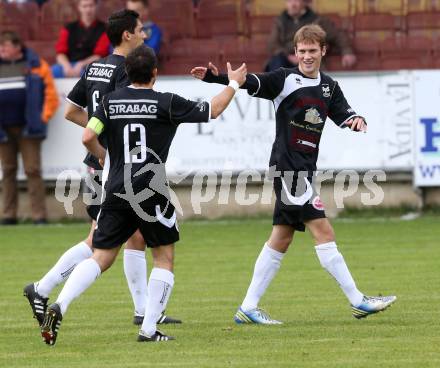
{"x":312,"y":116}
{"x":298,"y":81}
{"x":317,"y":204}
{"x":326,"y":90}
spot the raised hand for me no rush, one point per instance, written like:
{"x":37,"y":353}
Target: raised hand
{"x":357,"y":124}
{"x":199,"y":72}
{"x":238,"y":75}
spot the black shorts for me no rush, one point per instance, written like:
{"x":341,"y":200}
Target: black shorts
{"x":93,"y":210}
{"x":115,"y":226}
{"x":289,"y":206}
{"x":94,"y":187}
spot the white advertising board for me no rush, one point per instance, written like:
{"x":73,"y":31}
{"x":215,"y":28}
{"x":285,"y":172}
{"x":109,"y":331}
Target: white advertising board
{"x":242,"y":137}
{"x":427,"y":129}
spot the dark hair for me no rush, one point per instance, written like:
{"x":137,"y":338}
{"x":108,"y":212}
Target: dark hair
{"x":12,"y":37}
{"x":140,"y":64}
{"x":118,"y":23}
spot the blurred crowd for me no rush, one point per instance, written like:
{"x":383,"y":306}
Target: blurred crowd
{"x":85,"y":40}
{"x":28,"y":97}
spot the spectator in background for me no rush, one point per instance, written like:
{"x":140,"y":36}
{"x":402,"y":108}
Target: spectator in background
{"x":296,"y":15}
{"x":28,"y":99}
{"x":152,"y":31}
{"x":81,"y":42}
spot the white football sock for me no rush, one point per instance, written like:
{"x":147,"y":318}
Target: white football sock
{"x":160,"y":286}
{"x":267,"y":265}
{"x":135,"y":269}
{"x":63,"y":268}
{"x":81,"y":278}
{"x":334,"y":263}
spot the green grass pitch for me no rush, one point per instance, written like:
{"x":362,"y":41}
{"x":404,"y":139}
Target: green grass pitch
{"x":214,"y":262}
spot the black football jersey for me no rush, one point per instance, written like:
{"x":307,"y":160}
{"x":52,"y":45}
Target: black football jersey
{"x":140,"y":125}
{"x":100,"y":77}
{"x":302,"y":106}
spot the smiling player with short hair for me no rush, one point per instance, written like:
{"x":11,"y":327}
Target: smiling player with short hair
{"x":303,"y":98}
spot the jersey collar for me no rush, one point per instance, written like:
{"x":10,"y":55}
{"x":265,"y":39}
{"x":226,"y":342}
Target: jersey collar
{"x":131,"y":86}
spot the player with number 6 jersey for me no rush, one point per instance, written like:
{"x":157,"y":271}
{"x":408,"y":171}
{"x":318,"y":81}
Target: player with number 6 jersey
{"x":100,"y":77}
{"x":303,"y":98}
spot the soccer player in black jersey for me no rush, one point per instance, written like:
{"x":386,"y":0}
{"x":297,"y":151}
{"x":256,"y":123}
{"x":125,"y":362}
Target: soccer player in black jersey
{"x":101,"y":77}
{"x":140,"y":125}
{"x":303,"y":98}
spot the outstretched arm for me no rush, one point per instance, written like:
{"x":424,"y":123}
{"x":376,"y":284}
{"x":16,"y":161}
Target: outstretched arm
{"x":211,"y":74}
{"x":236,"y":78}
{"x":263,"y":85}
{"x":185,"y":111}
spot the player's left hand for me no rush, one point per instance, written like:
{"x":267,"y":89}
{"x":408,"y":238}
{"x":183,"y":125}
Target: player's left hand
{"x":101,"y":162}
{"x":199,"y":72}
{"x":357,"y":124}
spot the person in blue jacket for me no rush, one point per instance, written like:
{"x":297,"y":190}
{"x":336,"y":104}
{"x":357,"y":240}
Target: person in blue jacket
{"x":28,"y":100}
{"x":153,"y":32}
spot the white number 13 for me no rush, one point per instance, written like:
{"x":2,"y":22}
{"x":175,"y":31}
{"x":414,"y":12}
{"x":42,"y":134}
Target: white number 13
{"x":139,"y":156}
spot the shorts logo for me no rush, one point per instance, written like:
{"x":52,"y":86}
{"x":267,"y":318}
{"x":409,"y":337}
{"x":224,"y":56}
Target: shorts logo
{"x":317,"y":204}
{"x":326,"y":90}
{"x":169,"y":223}
{"x":300,"y":200}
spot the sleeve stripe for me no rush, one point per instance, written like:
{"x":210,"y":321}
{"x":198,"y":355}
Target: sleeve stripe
{"x":209,"y":116}
{"x":350,"y":117}
{"x":74,"y":103}
{"x":259,"y":85}
{"x":96,"y":125}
